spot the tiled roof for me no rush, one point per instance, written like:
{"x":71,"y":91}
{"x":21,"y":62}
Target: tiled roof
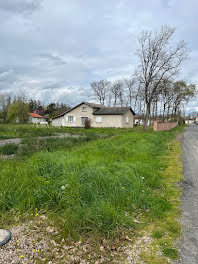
{"x":35,"y":115}
{"x":113,"y":111}
{"x":94,"y":105}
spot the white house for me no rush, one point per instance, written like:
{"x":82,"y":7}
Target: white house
{"x":189,"y":121}
{"x":99,"y":116}
{"x":36,"y":119}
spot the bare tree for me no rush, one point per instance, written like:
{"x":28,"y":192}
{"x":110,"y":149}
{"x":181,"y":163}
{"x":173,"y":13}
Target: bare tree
{"x":130,"y":89}
{"x":117,"y":93}
{"x":100,"y":90}
{"x":158,"y":61}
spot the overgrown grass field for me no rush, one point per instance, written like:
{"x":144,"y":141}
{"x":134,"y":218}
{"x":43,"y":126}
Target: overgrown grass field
{"x":28,"y":130}
{"x":93,"y":187}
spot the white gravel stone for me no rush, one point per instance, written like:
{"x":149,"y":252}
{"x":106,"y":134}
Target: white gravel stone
{"x":4,"y":235}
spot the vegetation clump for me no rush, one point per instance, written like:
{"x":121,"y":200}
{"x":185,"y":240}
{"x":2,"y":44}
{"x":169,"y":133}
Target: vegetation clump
{"x":8,"y":149}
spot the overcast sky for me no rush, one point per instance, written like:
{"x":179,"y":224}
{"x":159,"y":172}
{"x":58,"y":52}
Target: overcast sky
{"x":53,"y":49}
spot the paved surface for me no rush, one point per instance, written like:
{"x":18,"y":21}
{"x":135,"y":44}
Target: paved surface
{"x":189,"y":243}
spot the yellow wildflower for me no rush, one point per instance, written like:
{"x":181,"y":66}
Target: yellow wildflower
{"x":21,"y":256}
{"x":36,"y":214}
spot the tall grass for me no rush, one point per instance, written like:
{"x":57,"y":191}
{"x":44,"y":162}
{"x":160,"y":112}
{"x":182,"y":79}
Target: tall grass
{"x":29,"y":130}
{"x":8,"y":149}
{"x":94,"y":188}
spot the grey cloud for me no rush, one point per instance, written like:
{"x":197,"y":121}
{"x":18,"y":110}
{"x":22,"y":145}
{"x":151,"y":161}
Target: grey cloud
{"x":56,"y":52}
{"x":20,"y":6}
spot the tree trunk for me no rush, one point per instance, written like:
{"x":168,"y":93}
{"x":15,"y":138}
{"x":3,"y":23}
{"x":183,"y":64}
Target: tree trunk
{"x":148,"y":109}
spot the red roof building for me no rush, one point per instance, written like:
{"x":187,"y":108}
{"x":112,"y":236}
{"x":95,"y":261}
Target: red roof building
{"x":35,"y":115}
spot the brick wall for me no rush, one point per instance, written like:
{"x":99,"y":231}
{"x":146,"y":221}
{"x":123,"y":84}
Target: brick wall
{"x":158,"y":126}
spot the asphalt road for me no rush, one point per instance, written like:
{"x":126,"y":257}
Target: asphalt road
{"x":189,"y":206}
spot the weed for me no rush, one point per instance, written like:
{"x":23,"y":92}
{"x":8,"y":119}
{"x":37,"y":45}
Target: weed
{"x":8,"y":149}
{"x":158,"y":234}
{"x":171,"y":253}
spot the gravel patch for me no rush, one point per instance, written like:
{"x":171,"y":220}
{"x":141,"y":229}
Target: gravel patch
{"x":26,"y":246}
{"x":16,"y":141}
{"x":38,"y":241}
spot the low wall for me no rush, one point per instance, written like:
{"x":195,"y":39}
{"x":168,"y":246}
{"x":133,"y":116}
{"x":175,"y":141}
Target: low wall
{"x":158,"y":126}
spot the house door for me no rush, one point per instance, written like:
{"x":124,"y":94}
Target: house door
{"x":83,"y":120}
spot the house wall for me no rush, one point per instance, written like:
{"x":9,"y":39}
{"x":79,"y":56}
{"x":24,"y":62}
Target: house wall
{"x":57,"y":122}
{"x":130,"y":119}
{"x":36,"y":120}
{"x":77,"y":113}
{"x":107,"y":121}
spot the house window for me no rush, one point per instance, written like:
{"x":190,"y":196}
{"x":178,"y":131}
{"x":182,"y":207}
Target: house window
{"x":98,"y":119}
{"x":84,"y":109}
{"x":70,"y":119}
{"x":127,"y":119}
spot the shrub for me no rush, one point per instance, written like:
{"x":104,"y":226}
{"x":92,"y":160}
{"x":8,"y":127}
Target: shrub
{"x":87,"y":123}
{"x":9,"y":149}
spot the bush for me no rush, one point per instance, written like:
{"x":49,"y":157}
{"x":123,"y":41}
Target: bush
{"x":9,"y":149}
{"x":87,"y":123}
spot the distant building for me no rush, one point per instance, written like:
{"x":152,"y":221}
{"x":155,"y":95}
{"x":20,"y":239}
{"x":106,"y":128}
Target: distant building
{"x":140,"y":119}
{"x":36,"y":119}
{"x":99,"y":116}
{"x":189,"y":121}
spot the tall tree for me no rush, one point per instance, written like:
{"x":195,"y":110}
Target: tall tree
{"x":18,"y":112}
{"x":5,"y":102}
{"x":158,"y":60}
{"x":19,"y":109}
{"x":131,"y":90}
{"x":117,"y":93}
{"x":182,"y":93}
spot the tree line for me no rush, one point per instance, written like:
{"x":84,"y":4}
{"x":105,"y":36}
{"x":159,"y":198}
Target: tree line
{"x":153,"y":90}
{"x":17,"y":108}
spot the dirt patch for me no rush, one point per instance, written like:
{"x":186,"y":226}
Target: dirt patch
{"x":38,"y":241}
{"x":16,"y":141}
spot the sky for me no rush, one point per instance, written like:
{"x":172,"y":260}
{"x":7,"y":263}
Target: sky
{"x":54,"y":49}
